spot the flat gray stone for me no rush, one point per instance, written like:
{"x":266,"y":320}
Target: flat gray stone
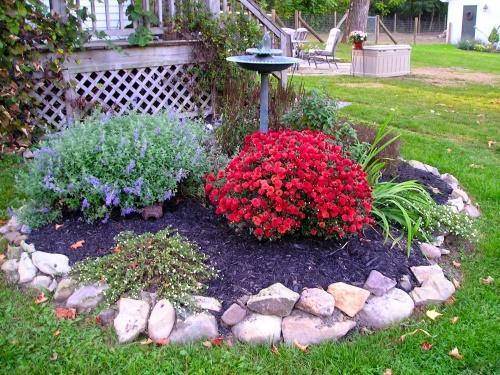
{"x":131,"y":319}
{"x":438,"y":240}
{"x":459,"y":193}
{"x":107,"y":317}
{"x":307,"y":329}
{"x":207,"y":303}
{"x":458,"y":203}
{"x":430,"y":251}
{"x":10,"y":265}
{"x":233,"y":315}
{"x":405,"y":283}
{"x":65,"y":289}
{"x":378,"y":284}
{"x":51,"y":264}
{"x":41,"y":283}
{"x":424,"y":167}
{"x":316,"y":301}
{"x":450,"y":180}
{"x":386,"y":310}
{"x":86,"y":297}
{"x":472,"y":211}
{"x":161,"y":321}
{"x":275,"y":300}
{"x":435,"y":289}
{"x":29,"y":248}
{"x":258,"y":329}
{"x":194,"y":328}
{"x":422,"y":273}
{"x":27,"y":270}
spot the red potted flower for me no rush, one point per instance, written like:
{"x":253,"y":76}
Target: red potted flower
{"x":357,"y":38}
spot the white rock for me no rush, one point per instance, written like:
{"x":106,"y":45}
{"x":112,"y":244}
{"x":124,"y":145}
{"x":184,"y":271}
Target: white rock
{"x":41,"y":282}
{"x":422,"y":273}
{"x":258,"y":329}
{"x":131,"y":319}
{"x":378,"y":284}
{"x":51,"y":264}
{"x":65,"y":289}
{"x":348,"y":298}
{"x":316,"y":301}
{"x":444,"y":251}
{"x":274,"y":300}
{"x":27,"y":270}
{"x":207,"y":303}
{"x":194,"y":328}
{"x":458,"y":203}
{"x":233,"y":315}
{"x":14,"y":225}
{"x":430,"y":251}
{"x":450,"y":180}
{"x":386,"y":310}
{"x":307,"y":329}
{"x":435,"y":289}
{"x":459,"y":193}
{"x":86,"y":297}
{"x":29,"y":248}
{"x":472,"y":211}
{"x":10,"y":266}
{"x":424,"y":167}
{"x":438,"y":240}
{"x":161,"y":321}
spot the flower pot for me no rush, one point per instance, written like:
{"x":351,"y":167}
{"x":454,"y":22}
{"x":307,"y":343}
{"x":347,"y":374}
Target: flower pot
{"x":357,"y":45}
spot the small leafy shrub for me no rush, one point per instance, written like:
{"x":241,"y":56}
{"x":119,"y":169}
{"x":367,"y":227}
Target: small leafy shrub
{"x":466,"y":45}
{"x":315,"y":111}
{"x":292,"y":181}
{"x":442,"y":218}
{"x":494,"y":37}
{"x":478,"y":47}
{"x":117,"y":163}
{"x":165,"y":263}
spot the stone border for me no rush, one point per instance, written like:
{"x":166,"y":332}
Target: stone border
{"x":275,"y":314}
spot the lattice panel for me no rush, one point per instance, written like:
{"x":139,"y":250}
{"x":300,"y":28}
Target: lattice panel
{"x":52,"y":107}
{"x":146,"y":90}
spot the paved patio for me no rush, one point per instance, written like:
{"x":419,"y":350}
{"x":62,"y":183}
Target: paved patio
{"x":342,"y":68}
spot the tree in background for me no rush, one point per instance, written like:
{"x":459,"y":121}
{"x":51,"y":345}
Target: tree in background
{"x":385,"y":7}
{"x":358,"y":16}
{"x":286,"y":8}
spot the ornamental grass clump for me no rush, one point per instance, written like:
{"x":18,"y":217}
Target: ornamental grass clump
{"x":292,"y":182}
{"x":165,"y":263}
{"x":113,"y":164}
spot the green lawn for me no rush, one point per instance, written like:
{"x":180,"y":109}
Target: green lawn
{"x":454,"y":138}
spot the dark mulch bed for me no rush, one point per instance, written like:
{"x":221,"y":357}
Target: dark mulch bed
{"x":247,"y":265}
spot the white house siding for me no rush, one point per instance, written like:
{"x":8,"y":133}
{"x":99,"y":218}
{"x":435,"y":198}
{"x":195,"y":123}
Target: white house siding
{"x":485,"y":19}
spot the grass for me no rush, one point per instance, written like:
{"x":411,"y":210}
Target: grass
{"x":455,"y":142}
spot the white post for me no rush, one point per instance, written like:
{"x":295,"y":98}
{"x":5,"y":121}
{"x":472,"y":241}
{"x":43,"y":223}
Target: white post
{"x":213,"y":7}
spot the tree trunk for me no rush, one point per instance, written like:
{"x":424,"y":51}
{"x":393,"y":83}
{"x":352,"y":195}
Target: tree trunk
{"x":358,"y":16}
{"x":432,"y":20}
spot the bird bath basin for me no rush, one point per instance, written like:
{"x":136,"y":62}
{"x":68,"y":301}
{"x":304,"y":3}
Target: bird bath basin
{"x":264,"y":60}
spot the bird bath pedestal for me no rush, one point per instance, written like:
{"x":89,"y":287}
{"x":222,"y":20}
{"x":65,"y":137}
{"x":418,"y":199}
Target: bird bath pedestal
{"x":262,"y":61}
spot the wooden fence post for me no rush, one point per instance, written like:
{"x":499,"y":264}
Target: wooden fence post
{"x":395,"y":23}
{"x":335,"y":18}
{"x":297,"y":22}
{"x":377,"y":28}
{"x":415,"y":30}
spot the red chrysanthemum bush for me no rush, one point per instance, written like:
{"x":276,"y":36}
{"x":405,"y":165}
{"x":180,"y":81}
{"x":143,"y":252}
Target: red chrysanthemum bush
{"x":292,"y":181}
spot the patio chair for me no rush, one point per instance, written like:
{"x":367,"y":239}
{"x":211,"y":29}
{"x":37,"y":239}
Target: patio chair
{"x":323,"y":54}
{"x":297,"y":37}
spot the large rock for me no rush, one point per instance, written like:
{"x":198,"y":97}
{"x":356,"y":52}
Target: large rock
{"x":42,"y":283}
{"x":472,"y":211}
{"x":14,"y":252}
{"x":378,"y":284}
{"x":207,"y":303}
{"x":450,"y":180}
{"x":86,"y":297}
{"x":28,"y":247}
{"x":308,"y":329}
{"x":386,"y":310}
{"x":348,"y":298}
{"x":258,"y":329}
{"x":27,"y":270}
{"x":193,"y":328}
{"x":161,"y":321}
{"x":51,"y":264}
{"x":106,"y":317}
{"x":459,"y":193}
{"x":275,"y":300}
{"x":435,"y":289}
{"x":131,"y":319}
{"x":430,"y":251}
{"x":424,"y":167}
{"x":65,"y":289}
{"x":10,"y":268}
{"x":233,"y":315}
{"x":423,"y":273}
{"x":456,"y":204}
{"x":316,"y":301}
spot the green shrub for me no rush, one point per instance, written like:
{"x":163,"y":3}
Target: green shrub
{"x":465,"y":44}
{"x":481,"y":48}
{"x":494,"y":37}
{"x":119,"y":163}
{"x":165,"y":263}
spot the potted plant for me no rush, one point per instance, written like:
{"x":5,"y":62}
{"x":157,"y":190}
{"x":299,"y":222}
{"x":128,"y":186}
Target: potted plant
{"x":357,"y":38}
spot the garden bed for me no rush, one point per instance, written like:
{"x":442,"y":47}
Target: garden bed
{"x":245,"y":264}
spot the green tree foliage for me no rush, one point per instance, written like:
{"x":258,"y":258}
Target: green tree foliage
{"x":286,"y":8}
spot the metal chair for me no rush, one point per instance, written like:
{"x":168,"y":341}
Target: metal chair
{"x":323,"y":54}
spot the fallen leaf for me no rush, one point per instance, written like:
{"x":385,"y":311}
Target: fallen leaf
{"x":491,"y":144}
{"x":56,"y":333}
{"x":218,"y":341}
{"x":117,"y":249}
{"x":65,"y":313}
{"x":456,"y":264}
{"x":146,"y":342}
{"x":454,"y":320}
{"x":54,"y":356}
{"x":77,"y":245}
{"x":426,"y":346}
{"x":41,"y":298}
{"x":59,"y":226}
{"x":403,"y":337}
{"x":487,"y":280}
{"x":2,"y":258}
{"x":455,"y":353}
{"x":274,"y":349}
{"x":387,"y":371}
{"x":432,"y":314}
{"x":448,"y":150}
{"x":207,"y":344}
{"x":456,"y":283}
{"x":299,"y":346}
